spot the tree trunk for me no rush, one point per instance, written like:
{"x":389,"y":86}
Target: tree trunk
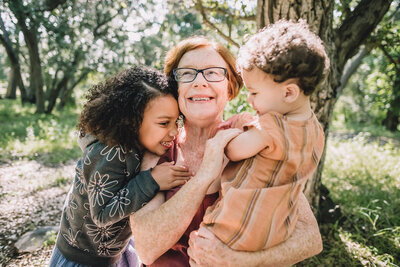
{"x":392,"y":119}
{"x":35,"y":68}
{"x":66,"y":93}
{"x":54,"y":93}
{"x":341,"y":44}
{"x":15,"y":77}
{"x":11,"y":92}
{"x":30,"y":31}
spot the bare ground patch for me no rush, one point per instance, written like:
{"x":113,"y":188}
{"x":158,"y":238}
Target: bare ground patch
{"x":31,"y":195}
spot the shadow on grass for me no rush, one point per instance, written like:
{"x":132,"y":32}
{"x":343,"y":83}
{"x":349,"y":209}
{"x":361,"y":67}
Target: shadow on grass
{"x":334,"y":251}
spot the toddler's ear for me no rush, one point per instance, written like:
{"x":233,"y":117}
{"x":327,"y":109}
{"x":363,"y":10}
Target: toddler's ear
{"x":292,"y":92}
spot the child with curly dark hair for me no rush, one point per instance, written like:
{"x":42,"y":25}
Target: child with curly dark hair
{"x":281,"y":66}
{"x":133,"y":111}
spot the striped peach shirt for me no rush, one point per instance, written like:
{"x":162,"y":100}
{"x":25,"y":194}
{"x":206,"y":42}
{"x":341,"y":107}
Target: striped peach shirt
{"x":257,"y":208}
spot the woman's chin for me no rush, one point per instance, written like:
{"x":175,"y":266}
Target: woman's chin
{"x":203,"y":117}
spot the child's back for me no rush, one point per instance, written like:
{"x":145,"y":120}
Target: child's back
{"x":259,"y":195}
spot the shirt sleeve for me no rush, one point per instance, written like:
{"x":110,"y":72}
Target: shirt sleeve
{"x":263,"y":126}
{"x":113,"y":192}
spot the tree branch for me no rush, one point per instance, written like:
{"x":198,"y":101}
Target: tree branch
{"x":211,"y":25}
{"x":389,"y":57}
{"x":357,"y":26}
{"x":225,"y":12}
{"x":351,"y":67}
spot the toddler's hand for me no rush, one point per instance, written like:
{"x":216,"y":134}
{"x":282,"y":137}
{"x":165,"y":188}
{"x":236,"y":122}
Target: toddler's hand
{"x":236,"y":121}
{"x":168,"y":175}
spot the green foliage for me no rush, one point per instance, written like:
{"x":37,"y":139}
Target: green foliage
{"x":364,"y":179}
{"x":238,"y":105}
{"x":50,"y":239}
{"x":48,"y":138}
{"x":373,"y":92}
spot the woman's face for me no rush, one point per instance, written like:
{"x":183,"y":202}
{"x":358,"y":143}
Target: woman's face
{"x":202,"y":102}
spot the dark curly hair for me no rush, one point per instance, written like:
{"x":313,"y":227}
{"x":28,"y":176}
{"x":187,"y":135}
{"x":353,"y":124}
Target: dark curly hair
{"x":287,"y":50}
{"x":114,"y":108}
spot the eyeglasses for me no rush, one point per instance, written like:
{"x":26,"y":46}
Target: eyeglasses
{"x":187,"y":75}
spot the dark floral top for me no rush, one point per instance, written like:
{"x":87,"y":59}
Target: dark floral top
{"x":107,"y":188}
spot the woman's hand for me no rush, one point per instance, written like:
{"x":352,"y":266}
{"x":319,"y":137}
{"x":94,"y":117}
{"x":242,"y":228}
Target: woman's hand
{"x":205,"y":249}
{"x":211,"y":165}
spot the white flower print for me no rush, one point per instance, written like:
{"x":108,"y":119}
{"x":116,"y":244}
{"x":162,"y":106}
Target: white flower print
{"x":99,"y":188}
{"x":111,"y":152}
{"x":87,"y":160}
{"x":71,"y":238}
{"x":86,"y":206}
{"x":70,"y":208}
{"x":101,"y":233}
{"x":80,"y":183}
{"x":118,"y":202}
{"x":109,"y":248}
{"x":127,"y":173}
{"x":138,"y":165}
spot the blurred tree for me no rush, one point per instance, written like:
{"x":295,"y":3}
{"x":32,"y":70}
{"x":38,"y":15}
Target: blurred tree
{"x":15,"y":77}
{"x":358,"y":21}
{"x":371,"y":97}
{"x":65,"y":41}
{"x":387,"y":39}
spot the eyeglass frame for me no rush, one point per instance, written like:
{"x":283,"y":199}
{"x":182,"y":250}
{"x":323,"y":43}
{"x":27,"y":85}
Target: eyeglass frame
{"x":202,"y":72}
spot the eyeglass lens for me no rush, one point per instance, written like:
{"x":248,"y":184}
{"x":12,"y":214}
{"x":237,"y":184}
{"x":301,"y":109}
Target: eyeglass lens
{"x":214,"y":74}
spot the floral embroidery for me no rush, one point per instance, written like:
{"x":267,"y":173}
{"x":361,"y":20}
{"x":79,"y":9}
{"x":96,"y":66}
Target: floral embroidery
{"x":109,"y":248}
{"x":80,"y":183}
{"x":111,"y":152}
{"x":127,"y":174}
{"x":70,"y":208}
{"x":101,"y":233}
{"x":99,"y":188}
{"x":71,"y":238}
{"x":87,"y":160}
{"x":86,"y":206}
{"x":118,"y":202}
{"x":138,"y":165}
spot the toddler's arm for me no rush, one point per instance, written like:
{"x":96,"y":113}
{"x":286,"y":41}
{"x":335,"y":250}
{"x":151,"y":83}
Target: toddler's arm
{"x":247,"y":144}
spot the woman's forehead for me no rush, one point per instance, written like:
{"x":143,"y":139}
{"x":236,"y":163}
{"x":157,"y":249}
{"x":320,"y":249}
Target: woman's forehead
{"x":202,"y":58}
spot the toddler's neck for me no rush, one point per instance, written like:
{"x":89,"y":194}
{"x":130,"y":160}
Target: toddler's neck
{"x":300,"y":112}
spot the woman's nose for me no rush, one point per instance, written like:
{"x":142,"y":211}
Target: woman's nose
{"x":200,"y":80}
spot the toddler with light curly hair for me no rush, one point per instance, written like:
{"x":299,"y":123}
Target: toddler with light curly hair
{"x":279,"y":149}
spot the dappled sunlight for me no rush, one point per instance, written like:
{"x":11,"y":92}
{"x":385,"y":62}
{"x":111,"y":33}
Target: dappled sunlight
{"x":363,"y":178}
{"x":365,"y":254}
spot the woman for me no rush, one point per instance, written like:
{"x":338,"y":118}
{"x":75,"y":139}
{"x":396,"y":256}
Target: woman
{"x":207,"y":79}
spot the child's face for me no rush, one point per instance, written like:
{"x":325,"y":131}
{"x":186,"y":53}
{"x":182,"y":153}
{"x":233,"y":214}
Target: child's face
{"x":159,"y":128}
{"x":265,"y":95}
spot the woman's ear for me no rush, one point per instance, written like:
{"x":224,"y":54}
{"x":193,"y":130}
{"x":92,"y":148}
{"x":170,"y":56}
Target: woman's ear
{"x":291,"y":93}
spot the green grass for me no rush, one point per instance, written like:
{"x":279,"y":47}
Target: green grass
{"x":364,"y":179}
{"x":48,"y":138}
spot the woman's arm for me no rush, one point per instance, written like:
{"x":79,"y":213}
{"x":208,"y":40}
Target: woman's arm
{"x":159,"y":227}
{"x":207,"y":250}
